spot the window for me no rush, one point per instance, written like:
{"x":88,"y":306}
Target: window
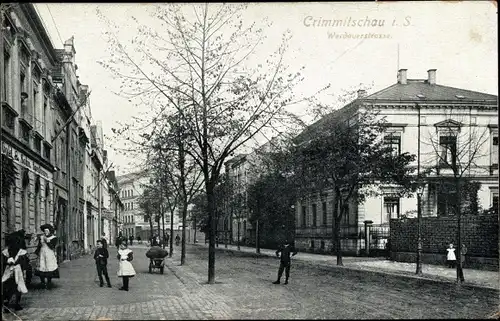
{"x":9,"y":118}
{"x":6,"y":77}
{"x":303,"y":216}
{"x":494,"y":151}
{"x":324,"y":214}
{"x":25,"y":201}
{"x":46,"y":152}
{"x":47,"y":210}
{"x":448,"y":150}
{"x":38,"y":145}
{"x":391,"y":206}
{"x":314,"y":213}
{"x":131,"y":192}
{"x":393,"y":140}
{"x":446,"y":200}
{"x":132,"y":205}
{"x":24,"y":133}
{"x":494,"y":202}
{"x":38,"y":216}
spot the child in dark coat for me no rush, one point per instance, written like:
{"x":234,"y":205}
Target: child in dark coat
{"x":101,"y":262}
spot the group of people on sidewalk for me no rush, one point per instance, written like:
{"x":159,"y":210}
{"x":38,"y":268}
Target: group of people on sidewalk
{"x":16,"y":264}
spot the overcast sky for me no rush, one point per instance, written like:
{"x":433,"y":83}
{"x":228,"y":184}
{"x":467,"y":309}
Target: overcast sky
{"x":459,"y":39}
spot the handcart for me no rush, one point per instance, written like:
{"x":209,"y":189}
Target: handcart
{"x":156,"y":257}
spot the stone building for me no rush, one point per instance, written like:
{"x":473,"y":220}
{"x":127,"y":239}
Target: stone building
{"x":27,"y":96}
{"x":419,"y":112}
{"x":47,"y":133}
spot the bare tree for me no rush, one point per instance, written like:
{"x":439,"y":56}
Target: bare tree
{"x":205,"y":55}
{"x":457,"y":148}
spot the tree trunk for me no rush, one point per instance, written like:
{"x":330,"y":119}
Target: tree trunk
{"x":171,"y":238}
{"x":194,"y":241}
{"x":159,"y":229}
{"x":238,"y":241}
{"x":183,"y":239}
{"x":152,"y":228}
{"x":211,"y":232}
{"x":257,"y":241}
{"x":460,"y":276}
{"x":337,"y":214}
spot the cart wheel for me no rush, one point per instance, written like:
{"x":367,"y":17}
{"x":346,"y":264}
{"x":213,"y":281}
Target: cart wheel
{"x":161,"y":270}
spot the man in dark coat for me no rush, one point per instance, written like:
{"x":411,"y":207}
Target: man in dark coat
{"x":286,"y":251}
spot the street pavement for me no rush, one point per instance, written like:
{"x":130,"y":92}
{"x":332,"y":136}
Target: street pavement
{"x":244,"y":290}
{"x":473,"y":277}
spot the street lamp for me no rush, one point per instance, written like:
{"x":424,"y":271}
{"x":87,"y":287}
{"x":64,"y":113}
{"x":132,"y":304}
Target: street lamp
{"x":420,"y":192}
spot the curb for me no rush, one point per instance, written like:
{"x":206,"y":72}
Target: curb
{"x":403,"y":274}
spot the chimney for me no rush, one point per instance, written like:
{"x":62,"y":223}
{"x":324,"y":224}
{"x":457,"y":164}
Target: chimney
{"x":431,"y":76}
{"x":361,"y":93}
{"x":402,"y":76}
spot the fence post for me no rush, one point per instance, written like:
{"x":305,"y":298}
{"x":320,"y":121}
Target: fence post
{"x":368,"y":225}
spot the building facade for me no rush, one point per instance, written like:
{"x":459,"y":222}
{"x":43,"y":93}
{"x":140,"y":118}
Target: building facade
{"x":27,"y":97}
{"x":422,"y":118}
{"x":46,"y":132}
{"x":135,"y":222}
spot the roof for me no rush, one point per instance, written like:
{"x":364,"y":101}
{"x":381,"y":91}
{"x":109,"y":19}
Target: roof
{"x":428,"y":92}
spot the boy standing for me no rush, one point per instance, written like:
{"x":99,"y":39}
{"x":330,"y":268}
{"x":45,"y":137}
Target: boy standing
{"x":101,"y":261}
{"x":286,"y":251}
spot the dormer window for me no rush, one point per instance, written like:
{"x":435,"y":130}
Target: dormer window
{"x":460,"y":96}
{"x":421,"y":96}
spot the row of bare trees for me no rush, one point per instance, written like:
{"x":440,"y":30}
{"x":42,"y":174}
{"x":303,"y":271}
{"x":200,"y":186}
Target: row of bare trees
{"x":207,"y":86}
{"x":198,"y":64}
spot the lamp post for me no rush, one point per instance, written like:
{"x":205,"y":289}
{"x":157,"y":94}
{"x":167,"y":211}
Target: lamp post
{"x":420,"y":191}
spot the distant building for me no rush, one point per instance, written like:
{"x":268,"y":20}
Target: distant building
{"x":135,"y":221}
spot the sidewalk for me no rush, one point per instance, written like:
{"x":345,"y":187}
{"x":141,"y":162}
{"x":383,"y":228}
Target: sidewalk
{"x":479,"y":278}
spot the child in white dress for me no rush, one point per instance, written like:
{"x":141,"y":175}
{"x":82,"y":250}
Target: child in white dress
{"x":451,"y":259}
{"x":125,"y":269}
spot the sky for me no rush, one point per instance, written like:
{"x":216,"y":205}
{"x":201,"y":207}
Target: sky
{"x":459,"y":39}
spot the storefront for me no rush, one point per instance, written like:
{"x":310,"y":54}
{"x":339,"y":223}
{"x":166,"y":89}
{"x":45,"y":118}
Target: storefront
{"x":30,"y":202}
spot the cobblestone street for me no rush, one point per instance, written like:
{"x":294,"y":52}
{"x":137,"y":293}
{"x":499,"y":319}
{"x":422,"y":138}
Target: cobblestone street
{"x":244,"y":291}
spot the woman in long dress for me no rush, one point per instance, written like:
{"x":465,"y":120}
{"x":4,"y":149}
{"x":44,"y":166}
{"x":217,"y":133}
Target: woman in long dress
{"x":14,"y":263}
{"x":47,"y":261}
{"x":125,"y":269}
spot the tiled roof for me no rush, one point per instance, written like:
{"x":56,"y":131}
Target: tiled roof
{"x":422,"y":90}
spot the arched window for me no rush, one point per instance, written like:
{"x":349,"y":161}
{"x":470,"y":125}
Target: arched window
{"x":47,"y":202}
{"x":38,"y":215}
{"x":25,"y":201}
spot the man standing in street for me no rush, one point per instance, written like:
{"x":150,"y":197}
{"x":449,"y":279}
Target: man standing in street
{"x":286,"y":251}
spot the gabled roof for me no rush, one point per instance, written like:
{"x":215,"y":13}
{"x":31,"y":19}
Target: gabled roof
{"x":421,"y":90}
{"x":449,"y":123}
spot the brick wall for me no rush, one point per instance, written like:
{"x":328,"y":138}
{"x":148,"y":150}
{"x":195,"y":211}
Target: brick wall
{"x":478,"y":233}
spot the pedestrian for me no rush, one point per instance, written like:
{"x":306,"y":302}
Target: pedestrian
{"x":285,"y":261}
{"x":104,"y":240}
{"x":139,"y":240}
{"x":15,"y":262}
{"x":166,"y":238}
{"x":47,"y":261}
{"x":101,"y":255}
{"x":177,"y":239}
{"x":118,"y":240}
{"x":131,"y":239}
{"x":125,"y":269}
{"x":157,"y":240}
{"x":451,"y":259}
